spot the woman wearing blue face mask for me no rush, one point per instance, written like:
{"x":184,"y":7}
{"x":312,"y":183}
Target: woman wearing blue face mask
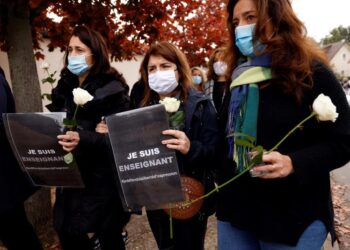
{"x":198,"y":78}
{"x":284,"y":202}
{"x":91,"y":216}
{"x":166,"y":73}
{"x":218,"y":74}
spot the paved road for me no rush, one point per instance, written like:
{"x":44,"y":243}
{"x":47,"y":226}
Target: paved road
{"x":342,"y":176}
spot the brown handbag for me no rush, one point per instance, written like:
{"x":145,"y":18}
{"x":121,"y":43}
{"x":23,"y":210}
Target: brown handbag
{"x":192,"y":189}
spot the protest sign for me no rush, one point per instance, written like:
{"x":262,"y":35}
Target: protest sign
{"x":147,"y":170}
{"x":33,"y":138}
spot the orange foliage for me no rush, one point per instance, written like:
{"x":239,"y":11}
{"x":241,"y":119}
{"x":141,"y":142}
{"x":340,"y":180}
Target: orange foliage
{"x":196,"y":26}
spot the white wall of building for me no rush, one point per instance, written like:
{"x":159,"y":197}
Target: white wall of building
{"x":129,"y":69}
{"x":341,"y":61}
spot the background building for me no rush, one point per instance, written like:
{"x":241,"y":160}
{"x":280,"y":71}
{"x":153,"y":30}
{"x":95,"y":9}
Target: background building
{"x":339,"y":56}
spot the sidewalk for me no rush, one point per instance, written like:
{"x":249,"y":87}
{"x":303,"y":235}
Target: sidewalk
{"x":341,"y":199}
{"x":328,"y":244}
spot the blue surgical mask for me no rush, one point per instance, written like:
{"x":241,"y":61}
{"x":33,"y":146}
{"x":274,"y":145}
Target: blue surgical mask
{"x":244,"y":40}
{"x":197,"y":80}
{"x":77,"y":64}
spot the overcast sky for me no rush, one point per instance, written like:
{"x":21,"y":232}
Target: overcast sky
{"x":321,"y":16}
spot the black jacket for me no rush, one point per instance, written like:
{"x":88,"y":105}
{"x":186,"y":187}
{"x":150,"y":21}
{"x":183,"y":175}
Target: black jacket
{"x":15,"y":188}
{"x":85,"y":210}
{"x":202,"y":128}
{"x":279,"y":210}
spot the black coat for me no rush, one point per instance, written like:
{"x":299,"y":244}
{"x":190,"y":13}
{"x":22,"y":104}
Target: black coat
{"x":279,"y":210}
{"x":15,"y":188}
{"x":201,"y":127}
{"x":87,"y":209}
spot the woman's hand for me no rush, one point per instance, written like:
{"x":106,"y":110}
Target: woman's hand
{"x":102,"y":127}
{"x":69,"y":141}
{"x":276,"y":166}
{"x":180,"y":142}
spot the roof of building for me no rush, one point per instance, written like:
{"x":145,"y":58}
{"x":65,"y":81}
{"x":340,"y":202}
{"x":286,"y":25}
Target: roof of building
{"x":332,"y":48}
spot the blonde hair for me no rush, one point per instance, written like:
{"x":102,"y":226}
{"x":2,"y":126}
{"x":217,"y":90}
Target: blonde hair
{"x":202,"y":72}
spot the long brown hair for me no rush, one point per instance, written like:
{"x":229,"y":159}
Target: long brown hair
{"x":217,"y":53}
{"x":292,"y":52}
{"x":171,"y":53}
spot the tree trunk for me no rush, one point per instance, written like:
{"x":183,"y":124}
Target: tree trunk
{"x":24,"y":76}
{"x":26,"y":89}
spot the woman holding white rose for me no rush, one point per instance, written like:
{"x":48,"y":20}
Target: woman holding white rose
{"x":166,"y":73}
{"x":285,"y":203}
{"x":88,"y":90}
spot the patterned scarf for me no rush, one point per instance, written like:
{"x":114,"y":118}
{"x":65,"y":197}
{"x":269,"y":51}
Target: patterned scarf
{"x":244,"y":105}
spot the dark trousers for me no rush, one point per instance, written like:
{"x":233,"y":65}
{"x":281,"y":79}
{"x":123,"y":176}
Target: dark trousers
{"x":109,"y":237}
{"x":76,"y":214}
{"x":187,"y":234}
{"x":16,"y":232}
{"x":108,"y":241}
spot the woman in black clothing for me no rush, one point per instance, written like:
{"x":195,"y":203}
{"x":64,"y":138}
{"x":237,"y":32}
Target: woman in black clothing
{"x":93,"y":215}
{"x":166,"y":73}
{"x":289,"y":205}
{"x":15,"y":230}
{"x":218,"y":74}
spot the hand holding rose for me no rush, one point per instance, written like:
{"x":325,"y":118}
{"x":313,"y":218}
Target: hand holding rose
{"x":180,"y":141}
{"x":277,"y":165}
{"x":69,"y":141}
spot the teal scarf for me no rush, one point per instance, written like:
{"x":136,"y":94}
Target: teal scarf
{"x":244,"y":106}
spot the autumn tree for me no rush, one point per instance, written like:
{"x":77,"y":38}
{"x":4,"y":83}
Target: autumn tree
{"x":336,"y":35}
{"x":196,"y":26}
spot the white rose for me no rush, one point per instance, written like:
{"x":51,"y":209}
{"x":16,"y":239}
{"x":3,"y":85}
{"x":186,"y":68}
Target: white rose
{"x":325,"y":109}
{"x":81,"y":96}
{"x":171,"y":104}
{"x":45,"y":65}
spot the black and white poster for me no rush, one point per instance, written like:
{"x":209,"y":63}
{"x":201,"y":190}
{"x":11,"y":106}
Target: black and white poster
{"x":33,"y":138}
{"x":147,"y":170}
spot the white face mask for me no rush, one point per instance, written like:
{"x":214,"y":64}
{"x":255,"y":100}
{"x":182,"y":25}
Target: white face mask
{"x":163,"y":82}
{"x":220,"y":68}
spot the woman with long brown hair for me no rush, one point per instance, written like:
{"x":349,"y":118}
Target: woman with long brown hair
{"x":285,"y":202}
{"x":91,"y":217}
{"x":166,"y":73}
{"x":218,"y":76}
